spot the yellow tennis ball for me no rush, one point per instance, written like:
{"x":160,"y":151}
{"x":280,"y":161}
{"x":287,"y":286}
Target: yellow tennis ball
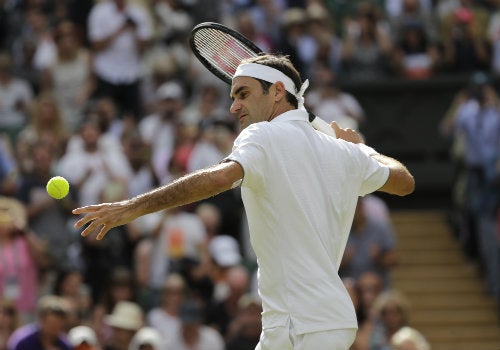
{"x":58,"y":187}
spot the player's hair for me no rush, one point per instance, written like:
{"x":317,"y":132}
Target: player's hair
{"x":284,"y":65}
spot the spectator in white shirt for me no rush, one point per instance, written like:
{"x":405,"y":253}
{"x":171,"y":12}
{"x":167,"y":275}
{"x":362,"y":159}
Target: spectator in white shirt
{"x":119,"y":33}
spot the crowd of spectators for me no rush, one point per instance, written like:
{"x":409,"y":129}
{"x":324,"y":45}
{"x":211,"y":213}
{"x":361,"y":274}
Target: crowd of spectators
{"x":109,"y":95}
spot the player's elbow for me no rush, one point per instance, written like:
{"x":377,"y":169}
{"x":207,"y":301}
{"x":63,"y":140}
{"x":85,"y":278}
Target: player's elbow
{"x":406,"y":187}
{"x":399,"y":184}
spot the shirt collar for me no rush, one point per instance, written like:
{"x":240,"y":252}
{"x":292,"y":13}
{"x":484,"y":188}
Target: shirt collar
{"x":294,"y":114}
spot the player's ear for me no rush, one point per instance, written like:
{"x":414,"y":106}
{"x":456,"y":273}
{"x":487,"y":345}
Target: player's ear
{"x":279,"y":91}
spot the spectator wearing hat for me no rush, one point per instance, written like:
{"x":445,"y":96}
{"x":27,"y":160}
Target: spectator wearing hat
{"x":83,"y":338}
{"x":147,"y":338}
{"x":49,"y":330}
{"x":125,"y":320}
{"x":409,"y":338}
{"x":193,"y":334}
{"x":224,"y":251}
{"x":120,"y":287}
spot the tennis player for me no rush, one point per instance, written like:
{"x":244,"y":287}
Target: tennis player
{"x":299,"y":188}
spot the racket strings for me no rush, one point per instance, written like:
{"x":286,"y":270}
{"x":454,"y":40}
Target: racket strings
{"x":222,"y":51}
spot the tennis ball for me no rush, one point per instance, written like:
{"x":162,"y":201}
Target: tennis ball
{"x":58,"y":187}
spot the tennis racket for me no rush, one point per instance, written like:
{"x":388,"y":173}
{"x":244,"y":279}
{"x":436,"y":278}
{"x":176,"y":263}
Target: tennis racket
{"x":221,"y":49}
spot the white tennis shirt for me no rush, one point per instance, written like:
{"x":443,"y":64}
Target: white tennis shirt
{"x":300,"y":189}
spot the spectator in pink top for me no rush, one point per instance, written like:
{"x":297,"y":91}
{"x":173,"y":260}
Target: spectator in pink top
{"x":20,"y":256}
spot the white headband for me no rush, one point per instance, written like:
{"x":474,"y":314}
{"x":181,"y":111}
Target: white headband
{"x":272,"y":75}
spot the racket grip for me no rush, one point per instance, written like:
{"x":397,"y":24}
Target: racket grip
{"x":320,"y":125}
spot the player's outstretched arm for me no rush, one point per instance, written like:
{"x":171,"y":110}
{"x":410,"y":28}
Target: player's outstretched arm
{"x":193,"y":187}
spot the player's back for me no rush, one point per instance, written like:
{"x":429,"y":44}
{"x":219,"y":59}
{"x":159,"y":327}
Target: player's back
{"x":300,"y":191}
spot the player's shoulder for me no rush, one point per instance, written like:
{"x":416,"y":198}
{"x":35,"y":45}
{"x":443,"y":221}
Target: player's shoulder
{"x":255,"y":130}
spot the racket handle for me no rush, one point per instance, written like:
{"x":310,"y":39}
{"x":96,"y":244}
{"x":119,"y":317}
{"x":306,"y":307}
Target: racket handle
{"x":320,"y":125}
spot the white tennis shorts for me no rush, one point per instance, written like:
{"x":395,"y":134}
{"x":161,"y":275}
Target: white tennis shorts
{"x":285,"y":338}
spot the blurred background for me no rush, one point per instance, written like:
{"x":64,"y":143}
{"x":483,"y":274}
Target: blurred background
{"x":109,"y":95}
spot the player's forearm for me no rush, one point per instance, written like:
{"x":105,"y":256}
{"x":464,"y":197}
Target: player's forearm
{"x":188,"y":189}
{"x":400,"y":181}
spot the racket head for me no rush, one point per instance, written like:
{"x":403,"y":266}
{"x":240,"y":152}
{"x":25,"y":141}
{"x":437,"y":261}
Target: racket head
{"x":221,"y":49}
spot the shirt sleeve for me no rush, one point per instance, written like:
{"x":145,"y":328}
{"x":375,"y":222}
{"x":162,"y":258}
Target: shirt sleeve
{"x":375,"y":173}
{"x":249,"y":151}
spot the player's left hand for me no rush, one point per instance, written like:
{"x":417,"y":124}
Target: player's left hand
{"x":347,"y":134}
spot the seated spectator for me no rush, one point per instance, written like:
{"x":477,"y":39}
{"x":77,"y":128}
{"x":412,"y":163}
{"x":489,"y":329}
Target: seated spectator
{"x":16,"y":95}
{"x":193,"y":334}
{"x":9,"y":321}
{"x":99,"y":160}
{"x":371,"y":247}
{"x":147,"y":338}
{"x":69,"y":76}
{"x":113,"y":124}
{"x":206,"y":107}
{"x":46,"y":125}
{"x":179,"y":237}
{"x":49,"y":218}
{"x":413,"y":11}
{"x":22,"y":257}
{"x":158,"y":128}
{"x":321,"y":26}
{"x":390,"y":312}
{"x":114,"y":288}
{"x":165,"y":317}
{"x":245,"y":327}
{"x":369,"y":286}
{"x":376,"y":208}
{"x":8,"y":168}
{"x":210,"y":215}
{"x":224,"y":253}
{"x":415,"y":56}
{"x":367,"y":47}
{"x":48,"y":331}
{"x":69,"y":284}
{"x":125,"y":320}
{"x":465,"y":46}
{"x":83,"y":338}
{"x":221,"y":311}
{"x":172,"y":20}
{"x":408,"y":338}
{"x":246,"y":26}
{"x":296,"y":41}
{"x":329,"y":102}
